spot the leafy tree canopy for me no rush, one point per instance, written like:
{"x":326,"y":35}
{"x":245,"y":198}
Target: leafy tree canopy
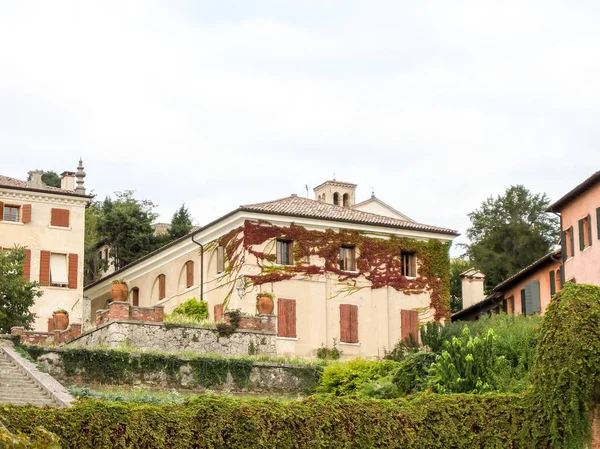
{"x":181,"y":223}
{"x":17,"y":294}
{"x":509,"y":232}
{"x":124,"y":223}
{"x":50,"y":178}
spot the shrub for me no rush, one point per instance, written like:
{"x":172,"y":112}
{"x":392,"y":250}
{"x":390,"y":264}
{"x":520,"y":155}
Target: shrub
{"x":326,"y":353}
{"x":193,"y":308}
{"x":405,"y":346}
{"x":345,"y":378}
{"x":424,"y":421}
{"x":413,"y":372}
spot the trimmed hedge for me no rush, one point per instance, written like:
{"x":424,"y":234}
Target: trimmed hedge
{"x":424,"y":421}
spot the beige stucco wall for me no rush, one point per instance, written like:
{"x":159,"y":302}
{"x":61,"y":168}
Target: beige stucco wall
{"x":584,"y":265}
{"x":329,"y":189}
{"x":317,"y":298}
{"x":38,"y":235}
{"x":472,"y":290}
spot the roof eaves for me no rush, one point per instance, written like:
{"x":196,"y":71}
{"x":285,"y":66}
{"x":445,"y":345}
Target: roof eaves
{"x":49,"y":192}
{"x":520,"y":274}
{"x":477,"y":306}
{"x":574,"y":193}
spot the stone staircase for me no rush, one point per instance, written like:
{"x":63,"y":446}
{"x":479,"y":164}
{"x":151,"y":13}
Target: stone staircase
{"x":16,"y":387}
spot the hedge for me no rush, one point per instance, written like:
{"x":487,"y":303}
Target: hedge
{"x":423,"y":421}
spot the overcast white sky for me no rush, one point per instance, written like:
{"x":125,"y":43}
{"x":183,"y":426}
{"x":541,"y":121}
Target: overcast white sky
{"x":220,"y":103}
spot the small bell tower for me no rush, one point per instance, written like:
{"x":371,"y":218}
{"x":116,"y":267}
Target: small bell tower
{"x":337,"y":193}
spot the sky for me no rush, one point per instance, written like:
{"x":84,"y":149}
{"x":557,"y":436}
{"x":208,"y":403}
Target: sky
{"x":434,"y":105}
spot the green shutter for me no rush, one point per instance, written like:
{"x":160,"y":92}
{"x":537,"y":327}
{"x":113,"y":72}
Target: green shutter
{"x":589,"y":229}
{"x":504,"y":306}
{"x":533,"y":301}
{"x":552,"y":283}
{"x":598,"y":221}
{"x":581,"y":237}
{"x":562,"y":276}
{"x":523,"y":310}
{"x":572,"y":242}
{"x":563,"y":245}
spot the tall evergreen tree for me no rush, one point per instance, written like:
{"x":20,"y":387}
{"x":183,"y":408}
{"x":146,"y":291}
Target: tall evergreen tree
{"x":181,"y":223}
{"x":509,"y":232}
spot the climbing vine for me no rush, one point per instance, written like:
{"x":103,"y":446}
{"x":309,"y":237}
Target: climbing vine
{"x":378,"y":259}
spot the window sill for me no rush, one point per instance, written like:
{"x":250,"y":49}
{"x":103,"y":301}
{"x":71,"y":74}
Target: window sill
{"x":55,"y":287}
{"x":62,"y":228}
{"x":410,"y":278}
{"x":586,"y":248}
{"x":343,"y":343}
{"x":351,"y":271}
{"x":287,"y":338}
{"x":18,"y":223}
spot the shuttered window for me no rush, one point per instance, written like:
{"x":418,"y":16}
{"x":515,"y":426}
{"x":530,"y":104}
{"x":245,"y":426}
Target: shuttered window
{"x":45,"y":267}
{"x":532,"y":297}
{"x":585,"y":232}
{"x":522,"y":301}
{"x":26,"y":213}
{"x":162,"y":281}
{"x":286,"y":318}
{"x":552,"y":283}
{"x":27,"y":265}
{"x":558,"y":280}
{"x":285,"y":252}
{"x":220,"y":259}
{"x":135,"y":296}
{"x":347,"y":258}
{"x":348,"y":323}
{"x":73,"y":270}
{"x":409,"y":324}
{"x":59,"y":217}
{"x":58,"y":270}
{"x":510,"y":305}
{"x":10,"y":213}
{"x":408,"y":265}
{"x":189,"y":274}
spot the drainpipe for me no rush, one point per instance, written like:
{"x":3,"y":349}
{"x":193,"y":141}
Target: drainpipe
{"x":201,"y":267}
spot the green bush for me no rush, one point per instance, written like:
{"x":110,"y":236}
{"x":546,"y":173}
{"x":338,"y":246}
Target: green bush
{"x":425,"y":421}
{"x":193,"y":308}
{"x":39,"y":438}
{"x":413,"y":373}
{"x":345,"y":378}
{"x":466,"y":365}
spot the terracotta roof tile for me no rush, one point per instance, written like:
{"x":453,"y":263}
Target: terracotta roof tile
{"x":303,"y":207}
{"x":6,"y":181}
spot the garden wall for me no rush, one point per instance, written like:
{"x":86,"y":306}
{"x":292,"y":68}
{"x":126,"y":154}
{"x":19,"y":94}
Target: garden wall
{"x":77,"y":366}
{"x":167,"y":337}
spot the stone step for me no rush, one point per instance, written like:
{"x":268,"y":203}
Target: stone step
{"x":16,"y":387}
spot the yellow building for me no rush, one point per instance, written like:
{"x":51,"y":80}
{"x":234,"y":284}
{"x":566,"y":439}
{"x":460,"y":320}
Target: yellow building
{"x":336,"y":273}
{"x":49,"y":222}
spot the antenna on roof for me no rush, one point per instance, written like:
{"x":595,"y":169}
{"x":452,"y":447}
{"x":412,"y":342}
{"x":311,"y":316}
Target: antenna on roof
{"x":372,"y":192}
{"x":334,"y":176}
{"x":306,"y":186}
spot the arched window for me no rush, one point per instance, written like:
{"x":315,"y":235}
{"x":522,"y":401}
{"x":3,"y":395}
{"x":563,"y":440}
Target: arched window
{"x":324,"y":200}
{"x":135,"y":296}
{"x":189,"y":274}
{"x":162,"y":284}
{"x":320,"y":198}
{"x":336,"y":199}
{"x":346,"y":200}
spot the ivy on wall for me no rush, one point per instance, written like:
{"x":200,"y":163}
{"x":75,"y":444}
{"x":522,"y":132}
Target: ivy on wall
{"x":377,"y":261}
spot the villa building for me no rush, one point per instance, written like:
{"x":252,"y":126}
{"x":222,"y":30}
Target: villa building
{"x":49,"y":223}
{"x":337,"y":271}
{"x":578,"y":260}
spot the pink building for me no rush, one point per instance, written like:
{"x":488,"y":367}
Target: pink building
{"x":578,"y":260}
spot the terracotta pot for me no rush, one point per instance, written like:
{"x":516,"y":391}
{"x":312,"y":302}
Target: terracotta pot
{"x":61,"y":321}
{"x":265,"y":305}
{"x":118,"y":292}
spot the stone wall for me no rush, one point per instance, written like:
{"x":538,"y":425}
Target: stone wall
{"x":262,"y":377}
{"x":176,"y":338}
{"x":122,"y":310}
{"x":47,"y":338}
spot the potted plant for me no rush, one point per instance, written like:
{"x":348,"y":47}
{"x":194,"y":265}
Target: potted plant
{"x":264,"y":303}
{"x":119,"y":291}
{"x":61,"y":319}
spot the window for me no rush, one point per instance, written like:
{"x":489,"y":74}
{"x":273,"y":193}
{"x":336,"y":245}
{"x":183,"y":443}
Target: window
{"x":557,"y":281}
{"x":348,"y":323}
{"x":11,"y":213}
{"x":106,"y":254}
{"x":552,"y":283}
{"x":285,"y":252}
{"x":162,"y":290}
{"x":409,"y":324}
{"x":530,"y":296}
{"x":286,"y":318}
{"x":336,"y":199}
{"x":408,"y":265}
{"x":135,"y":296}
{"x":100,"y":255}
{"x":510,"y":305}
{"x":585,"y":232}
{"x":58,"y":270}
{"x":567,"y":242}
{"x":59,"y":217}
{"x":347,"y":258}
{"x":189,"y":274}
{"x":220,"y":259}
{"x":346,"y":200}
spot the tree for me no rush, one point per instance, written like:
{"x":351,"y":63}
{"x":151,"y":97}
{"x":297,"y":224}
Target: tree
{"x":17,"y":294}
{"x":126,"y":225}
{"x":93,"y":264}
{"x":50,"y":178}
{"x":509,"y":232}
{"x":457,"y":266}
{"x":181,"y":223}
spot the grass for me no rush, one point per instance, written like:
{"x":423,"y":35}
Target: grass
{"x":178,"y":318}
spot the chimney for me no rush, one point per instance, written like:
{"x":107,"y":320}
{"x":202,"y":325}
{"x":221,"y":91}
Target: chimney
{"x":34,"y":179}
{"x":472,"y":287}
{"x":67,"y":180}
